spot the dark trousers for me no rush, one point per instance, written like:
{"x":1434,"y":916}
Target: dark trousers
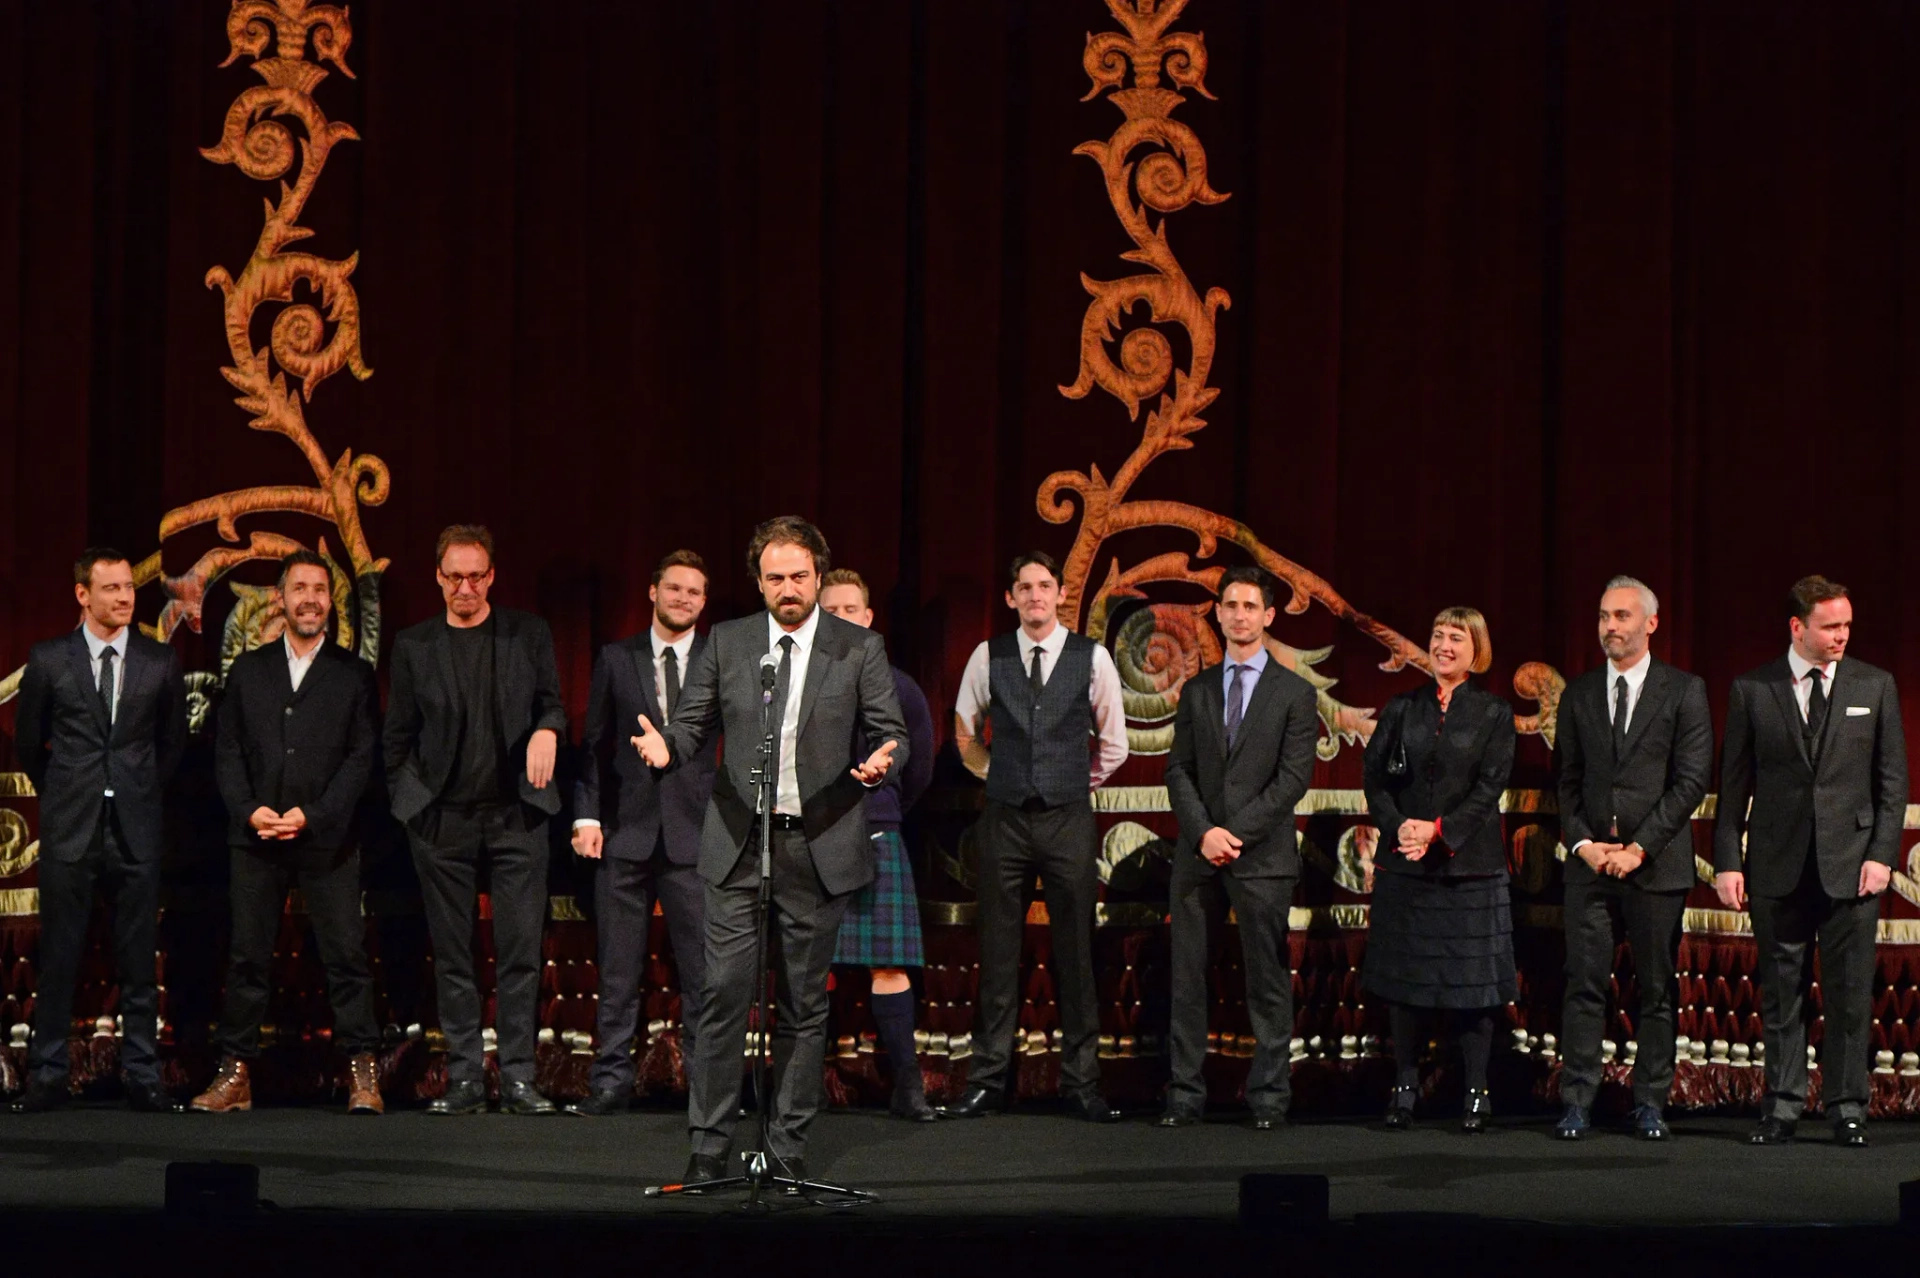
{"x":623,"y":896}
{"x":450,"y":846}
{"x":802,"y":929}
{"x":1199,"y":898}
{"x":1785,"y":928}
{"x":330,"y":882}
{"x":1060,"y":845}
{"x":66,"y":902}
{"x":1595,"y":908}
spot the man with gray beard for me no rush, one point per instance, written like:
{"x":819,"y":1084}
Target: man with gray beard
{"x":298,"y":725}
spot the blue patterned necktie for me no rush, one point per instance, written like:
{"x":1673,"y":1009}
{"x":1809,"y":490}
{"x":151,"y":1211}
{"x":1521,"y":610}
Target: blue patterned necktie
{"x":1234,"y":707}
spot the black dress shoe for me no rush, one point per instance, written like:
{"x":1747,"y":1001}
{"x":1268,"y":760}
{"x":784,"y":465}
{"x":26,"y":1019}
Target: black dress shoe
{"x":1772,"y":1131}
{"x":977,"y":1103}
{"x":703,"y":1167}
{"x":41,"y":1097}
{"x":1473,"y":1119}
{"x":1178,"y":1118}
{"x":524,"y":1099}
{"x":1399,"y":1115}
{"x":1851,"y":1132}
{"x":1649,"y":1124}
{"x":151,"y":1098}
{"x":1092,"y":1107}
{"x":793,"y":1167}
{"x":599,"y":1105}
{"x":461,"y":1098}
{"x":1264,"y":1122}
{"x":910,"y":1101}
{"x":1574,"y":1124}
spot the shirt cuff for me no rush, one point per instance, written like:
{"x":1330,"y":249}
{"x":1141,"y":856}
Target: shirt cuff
{"x":1575,"y":849}
{"x":586,"y":821}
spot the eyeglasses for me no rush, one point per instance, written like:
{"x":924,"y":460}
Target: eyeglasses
{"x":458,"y":579}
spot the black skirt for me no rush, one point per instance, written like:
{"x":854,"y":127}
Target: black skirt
{"x":1441,"y":942}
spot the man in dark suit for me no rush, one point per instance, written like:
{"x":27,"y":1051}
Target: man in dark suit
{"x":101,"y":724}
{"x":299,"y":727}
{"x":1243,"y":749}
{"x":1636,"y":754}
{"x":831,"y":679}
{"x":642,"y":830}
{"x":1814,"y":742}
{"x":473,"y":722}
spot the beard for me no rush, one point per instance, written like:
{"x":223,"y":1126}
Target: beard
{"x":308,"y":625}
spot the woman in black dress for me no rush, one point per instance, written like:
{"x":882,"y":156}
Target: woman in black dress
{"x":1441,"y":935}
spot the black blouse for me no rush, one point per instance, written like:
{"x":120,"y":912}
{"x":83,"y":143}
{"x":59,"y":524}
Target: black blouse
{"x":1457,"y":768}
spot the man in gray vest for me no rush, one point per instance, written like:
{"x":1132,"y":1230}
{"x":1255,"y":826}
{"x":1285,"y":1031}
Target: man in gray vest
{"x":1052,"y":698}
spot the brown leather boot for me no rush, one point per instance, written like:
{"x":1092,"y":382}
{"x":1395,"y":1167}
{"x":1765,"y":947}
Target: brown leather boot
{"x":363,"y":1086}
{"x":230,"y":1092}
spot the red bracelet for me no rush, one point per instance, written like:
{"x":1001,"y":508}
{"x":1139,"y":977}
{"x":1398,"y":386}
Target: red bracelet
{"x":1436,"y":826}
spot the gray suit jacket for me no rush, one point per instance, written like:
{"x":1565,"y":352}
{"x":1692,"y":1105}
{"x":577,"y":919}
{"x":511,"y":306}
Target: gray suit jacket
{"x":849,"y":690}
{"x":1252,"y":788}
{"x":72,"y":757}
{"x":1852,"y":804}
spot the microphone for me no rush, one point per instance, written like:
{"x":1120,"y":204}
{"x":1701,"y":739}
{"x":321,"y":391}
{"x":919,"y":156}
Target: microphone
{"x":769,"y":671}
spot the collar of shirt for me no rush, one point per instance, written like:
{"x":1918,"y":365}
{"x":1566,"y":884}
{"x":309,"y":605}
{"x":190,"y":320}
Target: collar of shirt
{"x":96,"y":645}
{"x":1256,"y":665}
{"x":1635,"y":675}
{"x":1799,"y":665}
{"x":298,"y":665}
{"x":1052,"y":645}
{"x":680,"y":646}
{"x":802,"y":638}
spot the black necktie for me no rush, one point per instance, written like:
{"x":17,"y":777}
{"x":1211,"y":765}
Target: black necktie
{"x":1234,"y":709}
{"x":782,"y":679}
{"x":1619,"y":715}
{"x":1816,"y":709}
{"x":106,"y":684}
{"x":670,"y":678}
{"x":1035,"y":680}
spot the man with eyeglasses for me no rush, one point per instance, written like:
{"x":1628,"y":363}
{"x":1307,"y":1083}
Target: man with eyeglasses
{"x":473,"y":724}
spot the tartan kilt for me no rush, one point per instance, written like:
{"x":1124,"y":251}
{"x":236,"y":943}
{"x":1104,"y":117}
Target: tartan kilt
{"x":881,"y":927}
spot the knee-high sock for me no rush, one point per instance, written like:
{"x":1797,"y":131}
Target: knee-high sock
{"x":893,"y":1017}
{"x":1475,"y":1031}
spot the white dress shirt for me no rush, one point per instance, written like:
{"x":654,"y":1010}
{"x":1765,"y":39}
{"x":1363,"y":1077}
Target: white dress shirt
{"x":681,"y":647}
{"x":786,"y":800}
{"x":1636,"y":678}
{"x":297,"y":665}
{"x":95,"y":646}
{"x":1803,"y":681}
{"x":1109,"y":718}
{"x":1256,"y":665}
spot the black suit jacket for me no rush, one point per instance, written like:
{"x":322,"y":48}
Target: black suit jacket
{"x":849,"y":688}
{"x":1653,"y":789}
{"x":633,"y":804}
{"x":1457,"y":777}
{"x":423,"y":707}
{"x":1252,"y":788}
{"x":313,"y":749}
{"x":1852,"y":805}
{"x":68,"y":752}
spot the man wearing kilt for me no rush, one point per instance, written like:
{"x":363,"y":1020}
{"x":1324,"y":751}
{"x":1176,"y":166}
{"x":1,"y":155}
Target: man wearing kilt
{"x":881,"y":931}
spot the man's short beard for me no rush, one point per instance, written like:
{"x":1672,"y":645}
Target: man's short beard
{"x":320,"y":628}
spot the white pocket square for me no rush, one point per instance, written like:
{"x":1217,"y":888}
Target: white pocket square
{"x":1853,"y":710}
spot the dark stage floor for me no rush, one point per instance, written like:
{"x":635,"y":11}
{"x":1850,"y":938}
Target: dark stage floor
{"x":1024,"y":1167}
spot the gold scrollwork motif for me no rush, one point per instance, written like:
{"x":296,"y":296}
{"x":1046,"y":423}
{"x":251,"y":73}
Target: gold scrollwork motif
{"x":308,"y":342}
{"x":18,"y":851}
{"x":1135,"y":363}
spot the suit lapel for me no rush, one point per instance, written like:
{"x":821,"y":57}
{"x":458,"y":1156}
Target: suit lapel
{"x":1653,"y":695}
{"x":1781,"y":681}
{"x":1257,"y":703}
{"x":83,"y":671}
{"x":826,"y":650}
{"x":642,"y":654}
{"x":1836,"y":706}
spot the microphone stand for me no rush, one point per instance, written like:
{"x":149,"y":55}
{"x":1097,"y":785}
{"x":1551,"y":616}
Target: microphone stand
{"x":758,"y":1176}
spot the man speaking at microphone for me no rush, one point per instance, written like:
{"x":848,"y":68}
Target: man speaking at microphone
{"x":824,"y":679}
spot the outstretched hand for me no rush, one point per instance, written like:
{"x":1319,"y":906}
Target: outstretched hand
{"x":651,"y":745}
{"x":875,"y":768}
